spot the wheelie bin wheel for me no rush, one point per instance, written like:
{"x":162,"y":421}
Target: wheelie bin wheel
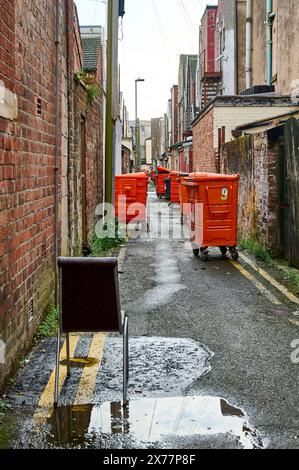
{"x":234,"y":254}
{"x":204,"y":254}
{"x":196,"y":252}
{"x":223,"y":250}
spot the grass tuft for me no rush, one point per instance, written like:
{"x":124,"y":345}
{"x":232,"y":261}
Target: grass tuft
{"x":256,"y":248}
{"x":100,"y":246}
{"x":4,"y":406}
{"x":49,"y":326}
{"x":292,"y":276}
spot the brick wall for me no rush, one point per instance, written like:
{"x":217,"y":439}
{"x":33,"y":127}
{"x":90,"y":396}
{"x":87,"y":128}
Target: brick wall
{"x":255,"y":158}
{"x":7,"y":42}
{"x":203,"y":143}
{"x":93,"y":162}
{"x":27,"y":150}
{"x":79,"y":110}
{"x":27,"y":264}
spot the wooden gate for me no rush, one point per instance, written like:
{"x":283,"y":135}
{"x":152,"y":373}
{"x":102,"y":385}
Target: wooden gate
{"x":292,"y":162}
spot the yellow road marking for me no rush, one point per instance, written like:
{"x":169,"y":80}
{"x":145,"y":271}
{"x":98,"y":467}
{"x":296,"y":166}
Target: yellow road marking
{"x":257,"y":284}
{"x":89,"y":374}
{"x":46,"y":401}
{"x":293,"y":298}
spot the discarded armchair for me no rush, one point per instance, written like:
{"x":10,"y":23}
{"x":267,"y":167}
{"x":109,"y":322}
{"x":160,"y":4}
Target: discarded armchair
{"x":89,"y":302}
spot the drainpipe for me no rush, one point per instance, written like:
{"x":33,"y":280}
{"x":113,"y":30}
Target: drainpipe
{"x":236,"y":55}
{"x":269,"y":23}
{"x":56,"y":161}
{"x":249,"y":44}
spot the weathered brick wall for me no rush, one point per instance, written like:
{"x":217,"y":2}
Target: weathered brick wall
{"x":27,"y":68}
{"x":27,"y":149}
{"x":92,"y":114}
{"x":267,"y":184}
{"x":203,"y":144}
{"x":256,"y":160}
{"x":80,"y":108}
{"x":7,"y":42}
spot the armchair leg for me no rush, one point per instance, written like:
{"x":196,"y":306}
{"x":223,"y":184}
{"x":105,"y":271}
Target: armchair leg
{"x":56,"y":392}
{"x":68,"y":355}
{"x":126,"y":360}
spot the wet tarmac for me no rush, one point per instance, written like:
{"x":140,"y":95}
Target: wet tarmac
{"x":198,"y":331}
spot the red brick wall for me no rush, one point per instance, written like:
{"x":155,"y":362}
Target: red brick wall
{"x":256,"y":160}
{"x":26,"y":153}
{"x":27,"y":67}
{"x":203,"y":144}
{"x":94,"y":159}
{"x":7,"y":42}
{"x":78,"y":107}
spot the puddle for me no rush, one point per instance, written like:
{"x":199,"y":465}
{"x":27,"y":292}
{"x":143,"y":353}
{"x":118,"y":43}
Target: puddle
{"x":152,"y":420}
{"x":81,"y":362}
{"x":7,"y":431}
{"x":167,"y":278}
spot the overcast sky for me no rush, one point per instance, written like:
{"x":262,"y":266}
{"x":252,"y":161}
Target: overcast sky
{"x":155,"y":33}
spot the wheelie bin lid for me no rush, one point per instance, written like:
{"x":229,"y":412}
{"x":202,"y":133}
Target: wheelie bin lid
{"x":161,"y":169}
{"x":197,"y":177}
{"x":134,"y":176}
{"x":179,"y":174}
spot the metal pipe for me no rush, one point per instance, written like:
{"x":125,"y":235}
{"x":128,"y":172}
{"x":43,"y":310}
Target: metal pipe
{"x":56,"y":158}
{"x":269,"y":19}
{"x":136,"y":128}
{"x":137,"y":125}
{"x":125,"y":360}
{"x":236,"y":75}
{"x":109,"y":150}
{"x":249,"y":44}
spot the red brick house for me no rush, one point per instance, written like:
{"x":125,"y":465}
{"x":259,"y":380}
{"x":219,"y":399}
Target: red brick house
{"x":215,"y":123}
{"x":43,"y":148}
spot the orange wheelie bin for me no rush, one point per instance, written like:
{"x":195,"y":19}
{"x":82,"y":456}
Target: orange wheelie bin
{"x":153,"y":175}
{"x":214,"y":212}
{"x":134,"y":186}
{"x":160,"y":183}
{"x":175,"y":186}
{"x":183,"y":198}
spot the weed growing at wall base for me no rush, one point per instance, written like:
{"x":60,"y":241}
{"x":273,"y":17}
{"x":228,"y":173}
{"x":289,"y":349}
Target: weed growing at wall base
{"x":4,"y":406}
{"x":256,"y":248}
{"x":101,"y":245}
{"x":49,"y":326}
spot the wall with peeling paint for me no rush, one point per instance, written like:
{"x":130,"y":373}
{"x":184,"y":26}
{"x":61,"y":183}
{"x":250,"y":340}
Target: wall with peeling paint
{"x":255,"y":158}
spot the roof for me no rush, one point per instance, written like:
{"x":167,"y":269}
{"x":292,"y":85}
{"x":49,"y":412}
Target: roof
{"x":246,"y":100}
{"x":91,"y":37}
{"x":91,"y":47}
{"x":274,"y":121}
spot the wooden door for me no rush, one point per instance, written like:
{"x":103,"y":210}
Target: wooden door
{"x":292,"y":158}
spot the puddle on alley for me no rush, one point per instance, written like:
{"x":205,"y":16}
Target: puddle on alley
{"x":183,"y":422}
{"x":150,"y":421}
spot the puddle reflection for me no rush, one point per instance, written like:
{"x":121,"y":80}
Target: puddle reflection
{"x":150,"y":420}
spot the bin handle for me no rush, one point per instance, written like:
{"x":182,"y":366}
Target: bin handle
{"x":218,"y":212}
